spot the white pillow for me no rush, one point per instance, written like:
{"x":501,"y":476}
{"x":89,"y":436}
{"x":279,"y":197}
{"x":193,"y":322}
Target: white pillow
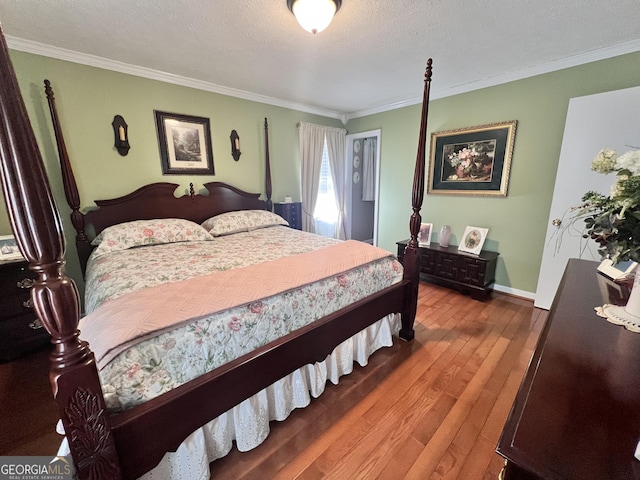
{"x":148,"y":232}
{"x":241,"y":221}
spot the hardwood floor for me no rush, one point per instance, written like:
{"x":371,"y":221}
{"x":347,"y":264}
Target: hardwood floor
{"x":28,"y":413}
{"x":430,"y":409}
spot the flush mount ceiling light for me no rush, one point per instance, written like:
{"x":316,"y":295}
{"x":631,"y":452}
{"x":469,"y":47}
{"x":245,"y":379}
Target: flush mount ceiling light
{"x":314,"y":15}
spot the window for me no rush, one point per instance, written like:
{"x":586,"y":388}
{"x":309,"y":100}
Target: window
{"x":326,"y":211}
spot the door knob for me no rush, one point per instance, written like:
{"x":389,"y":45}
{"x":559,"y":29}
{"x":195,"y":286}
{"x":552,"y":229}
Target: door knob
{"x":556,"y":222}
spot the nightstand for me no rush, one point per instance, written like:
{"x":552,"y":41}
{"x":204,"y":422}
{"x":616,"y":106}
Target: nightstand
{"x":291,"y":212}
{"x":20,"y":329}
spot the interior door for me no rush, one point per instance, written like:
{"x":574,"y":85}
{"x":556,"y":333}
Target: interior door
{"x":360,"y":214}
{"x":594,"y":122}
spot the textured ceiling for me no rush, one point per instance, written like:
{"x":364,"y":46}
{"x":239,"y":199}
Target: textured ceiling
{"x":369,"y":59}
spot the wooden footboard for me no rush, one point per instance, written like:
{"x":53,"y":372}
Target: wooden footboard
{"x":128,"y":444}
{"x":140,"y":433}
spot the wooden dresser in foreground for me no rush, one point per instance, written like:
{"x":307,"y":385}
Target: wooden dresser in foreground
{"x":577,"y":413}
{"x":20,"y":328}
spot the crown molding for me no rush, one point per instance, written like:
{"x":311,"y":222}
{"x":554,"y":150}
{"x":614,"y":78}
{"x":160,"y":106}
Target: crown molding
{"x":36,"y":48}
{"x":560,"y":64}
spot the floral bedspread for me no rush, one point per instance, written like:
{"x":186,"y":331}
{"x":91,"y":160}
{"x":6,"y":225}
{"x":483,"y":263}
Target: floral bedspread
{"x":157,"y":365}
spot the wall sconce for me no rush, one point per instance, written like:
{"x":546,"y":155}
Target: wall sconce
{"x":121,"y":135}
{"x":235,"y":145}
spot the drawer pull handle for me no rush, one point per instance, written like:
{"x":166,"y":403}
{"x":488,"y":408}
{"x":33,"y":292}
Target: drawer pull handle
{"x":503,"y":471}
{"x":36,"y":324}
{"x":26,"y":283}
{"x":27,"y":304}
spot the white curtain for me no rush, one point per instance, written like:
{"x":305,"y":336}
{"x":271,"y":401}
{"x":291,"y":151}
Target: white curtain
{"x":368,"y":170}
{"x":336,"y":146}
{"x":311,"y":141}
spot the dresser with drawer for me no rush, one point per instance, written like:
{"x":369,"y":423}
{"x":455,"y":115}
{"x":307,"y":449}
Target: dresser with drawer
{"x":473,"y":274}
{"x":291,"y":212}
{"x":20,"y":329}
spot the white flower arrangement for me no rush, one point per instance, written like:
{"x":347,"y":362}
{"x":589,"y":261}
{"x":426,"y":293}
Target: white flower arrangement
{"x":614,"y":221}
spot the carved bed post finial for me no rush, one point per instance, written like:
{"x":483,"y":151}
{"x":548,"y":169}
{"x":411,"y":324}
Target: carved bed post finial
{"x":68,"y":181}
{"x":267,"y":179}
{"x":411,"y":259}
{"x":37,"y":226}
{"x":192,"y":192}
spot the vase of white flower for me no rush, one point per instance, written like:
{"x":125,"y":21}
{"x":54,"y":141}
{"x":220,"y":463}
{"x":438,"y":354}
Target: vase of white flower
{"x":614,"y":222}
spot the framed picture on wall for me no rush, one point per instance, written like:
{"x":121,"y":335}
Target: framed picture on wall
{"x":473,"y":161}
{"x":185,"y":144}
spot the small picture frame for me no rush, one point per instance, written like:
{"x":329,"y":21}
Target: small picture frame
{"x":613,"y":292}
{"x":617,"y":271}
{"x":9,"y":248}
{"x":424,"y":235}
{"x":473,"y":239}
{"x":185,"y":144}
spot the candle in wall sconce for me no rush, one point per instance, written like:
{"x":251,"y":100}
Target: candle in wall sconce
{"x":120,"y":132}
{"x":235,"y":145}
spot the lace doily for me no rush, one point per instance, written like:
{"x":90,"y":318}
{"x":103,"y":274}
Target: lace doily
{"x":617,"y":315}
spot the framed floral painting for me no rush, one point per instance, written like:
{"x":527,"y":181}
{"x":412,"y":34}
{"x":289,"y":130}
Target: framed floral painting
{"x":472,"y":161}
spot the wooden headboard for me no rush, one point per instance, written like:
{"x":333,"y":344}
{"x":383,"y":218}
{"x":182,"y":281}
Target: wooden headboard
{"x":156,"y":200}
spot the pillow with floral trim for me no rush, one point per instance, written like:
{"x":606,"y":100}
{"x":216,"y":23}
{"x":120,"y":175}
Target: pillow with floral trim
{"x":148,"y":232}
{"x":241,"y":221}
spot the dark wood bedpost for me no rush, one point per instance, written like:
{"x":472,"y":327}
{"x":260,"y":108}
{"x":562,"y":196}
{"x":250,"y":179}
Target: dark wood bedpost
{"x":69,"y":182}
{"x":37,"y":226}
{"x":411,"y":259}
{"x":267,"y":179}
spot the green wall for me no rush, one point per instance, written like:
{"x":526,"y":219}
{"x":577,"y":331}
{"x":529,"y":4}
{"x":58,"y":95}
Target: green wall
{"x":89,"y":97}
{"x":517,"y":223}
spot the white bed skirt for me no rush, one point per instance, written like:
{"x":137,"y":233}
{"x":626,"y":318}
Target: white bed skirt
{"x":248,"y":422}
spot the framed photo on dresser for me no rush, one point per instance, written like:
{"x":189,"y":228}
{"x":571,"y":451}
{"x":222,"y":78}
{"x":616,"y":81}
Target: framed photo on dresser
{"x":473,"y":239}
{"x":9,"y":248}
{"x":424,"y":235}
{"x":617,"y":271}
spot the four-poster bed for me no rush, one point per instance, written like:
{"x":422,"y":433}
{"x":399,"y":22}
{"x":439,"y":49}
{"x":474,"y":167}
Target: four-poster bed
{"x":106,"y":442}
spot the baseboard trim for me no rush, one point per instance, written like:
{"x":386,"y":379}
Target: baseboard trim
{"x":515,"y":292}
